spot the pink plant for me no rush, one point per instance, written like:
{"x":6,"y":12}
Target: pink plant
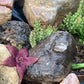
{"x":19,"y":59}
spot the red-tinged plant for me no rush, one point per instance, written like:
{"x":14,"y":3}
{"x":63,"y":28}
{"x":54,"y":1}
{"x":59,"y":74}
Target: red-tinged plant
{"x":19,"y":59}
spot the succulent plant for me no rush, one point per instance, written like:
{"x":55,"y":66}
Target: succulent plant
{"x":20,"y":59}
{"x":74,"y":23}
{"x":39,"y":33}
{"x":78,"y":66}
{"x":17,"y":46}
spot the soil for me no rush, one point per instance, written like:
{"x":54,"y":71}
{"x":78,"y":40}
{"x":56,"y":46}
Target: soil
{"x":79,"y":58}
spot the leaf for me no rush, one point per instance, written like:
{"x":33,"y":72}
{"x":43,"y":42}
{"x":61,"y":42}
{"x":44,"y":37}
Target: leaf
{"x":20,"y":69}
{"x":10,"y":61}
{"x":30,"y":60}
{"x":13,"y":50}
{"x":23,"y":52}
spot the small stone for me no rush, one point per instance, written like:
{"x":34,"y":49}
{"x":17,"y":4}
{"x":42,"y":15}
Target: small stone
{"x":71,"y":79}
{"x":8,"y":75}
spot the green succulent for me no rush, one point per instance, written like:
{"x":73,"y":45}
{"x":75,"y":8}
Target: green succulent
{"x":14,"y":44}
{"x":75,"y":23}
{"x":39,"y":33}
{"x":77,"y":66}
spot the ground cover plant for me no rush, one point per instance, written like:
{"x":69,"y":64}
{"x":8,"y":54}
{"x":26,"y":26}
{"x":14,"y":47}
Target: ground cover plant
{"x":74,"y":23}
{"x":39,"y":33}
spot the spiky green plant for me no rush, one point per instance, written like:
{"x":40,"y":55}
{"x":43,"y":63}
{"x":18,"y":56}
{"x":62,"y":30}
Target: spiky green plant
{"x":17,"y":46}
{"x":39,"y":33}
{"x":75,"y":23}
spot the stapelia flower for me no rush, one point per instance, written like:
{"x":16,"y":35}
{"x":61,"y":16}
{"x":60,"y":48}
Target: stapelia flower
{"x":19,"y":59}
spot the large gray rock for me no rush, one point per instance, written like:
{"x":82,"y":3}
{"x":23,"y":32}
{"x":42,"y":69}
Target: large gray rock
{"x":15,"y":31}
{"x":5,"y":10}
{"x":55,"y":58}
{"x":48,"y":11}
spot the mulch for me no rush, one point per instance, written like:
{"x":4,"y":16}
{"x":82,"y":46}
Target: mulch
{"x":79,"y":58}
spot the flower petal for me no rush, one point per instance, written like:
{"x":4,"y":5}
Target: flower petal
{"x":30,"y":60}
{"x":13,"y":50}
{"x":20,"y":70}
{"x":10,"y":61}
{"x":23,"y":52}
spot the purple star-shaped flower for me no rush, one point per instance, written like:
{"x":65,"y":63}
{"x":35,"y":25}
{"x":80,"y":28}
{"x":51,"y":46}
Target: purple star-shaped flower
{"x":19,"y":59}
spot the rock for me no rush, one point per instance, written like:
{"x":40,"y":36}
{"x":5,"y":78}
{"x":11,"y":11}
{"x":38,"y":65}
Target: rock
{"x":55,"y":58}
{"x":8,"y":75}
{"x":15,"y":31}
{"x":5,"y":10}
{"x":71,"y":79}
{"x":48,"y":11}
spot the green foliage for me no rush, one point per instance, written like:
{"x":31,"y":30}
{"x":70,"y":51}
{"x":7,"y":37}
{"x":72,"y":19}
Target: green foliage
{"x":39,"y":33}
{"x":77,"y":66}
{"x":14,"y":44}
{"x":75,"y":23}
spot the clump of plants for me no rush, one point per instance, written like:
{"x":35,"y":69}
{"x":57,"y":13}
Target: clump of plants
{"x":75,"y":23}
{"x":39,"y":33}
{"x":17,"y":46}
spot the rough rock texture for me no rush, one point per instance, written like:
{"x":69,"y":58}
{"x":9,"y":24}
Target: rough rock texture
{"x":48,"y":11}
{"x":71,"y":79}
{"x":8,"y":75}
{"x":55,"y":57}
{"x":15,"y":31}
{"x":5,"y":10}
